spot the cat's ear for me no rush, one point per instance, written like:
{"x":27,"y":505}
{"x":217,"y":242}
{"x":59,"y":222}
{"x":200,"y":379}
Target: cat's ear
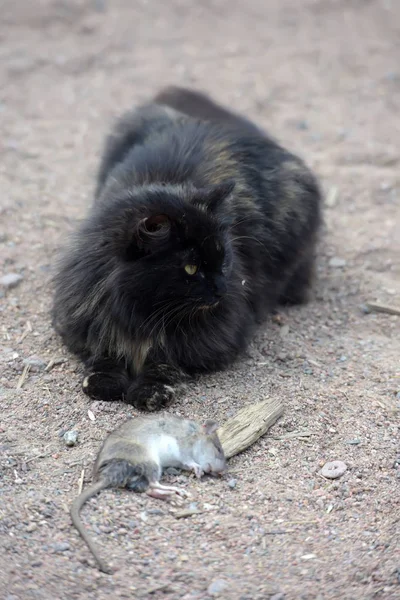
{"x":152,"y":231}
{"x":213,"y":195}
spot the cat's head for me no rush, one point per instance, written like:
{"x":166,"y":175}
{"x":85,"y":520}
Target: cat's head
{"x":171,"y":247}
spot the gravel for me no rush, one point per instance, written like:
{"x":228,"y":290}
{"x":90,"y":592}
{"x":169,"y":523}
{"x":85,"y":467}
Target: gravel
{"x":67,"y":71}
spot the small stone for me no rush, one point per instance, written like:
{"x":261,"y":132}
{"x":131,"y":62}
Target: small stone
{"x":216,"y":587}
{"x":155,"y":511}
{"x":70,"y":437}
{"x":354,"y":442}
{"x":61,"y":546}
{"x":172,"y":471}
{"x":337,"y":262}
{"x":35,"y":363}
{"x":302,"y":125}
{"x":365,"y":309}
{"x":11,"y":280}
{"x":31,"y":527}
{"x":232,"y":483}
{"x":36,"y":563}
{"x":334,"y":469}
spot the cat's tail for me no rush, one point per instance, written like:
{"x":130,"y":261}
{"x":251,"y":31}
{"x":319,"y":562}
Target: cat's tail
{"x":199,"y":106}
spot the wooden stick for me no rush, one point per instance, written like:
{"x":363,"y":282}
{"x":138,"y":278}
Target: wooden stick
{"x":23,"y":376}
{"x":248,"y":425}
{"x":80,"y":482}
{"x":293,"y":434}
{"x":382,"y":308}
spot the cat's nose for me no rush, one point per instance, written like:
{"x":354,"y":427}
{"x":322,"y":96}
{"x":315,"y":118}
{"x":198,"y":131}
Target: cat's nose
{"x":219,"y":286}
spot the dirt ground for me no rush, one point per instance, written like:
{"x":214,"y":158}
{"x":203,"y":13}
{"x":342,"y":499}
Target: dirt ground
{"x":324,"y":77}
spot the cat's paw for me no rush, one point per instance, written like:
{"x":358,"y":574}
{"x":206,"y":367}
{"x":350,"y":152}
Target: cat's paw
{"x":105,"y":386}
{"x":150,"y":396}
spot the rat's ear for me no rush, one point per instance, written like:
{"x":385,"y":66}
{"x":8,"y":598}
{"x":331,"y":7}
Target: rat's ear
{"x":212,"y":195}
{"x":210,"y":427}
{"x":152,"y":231}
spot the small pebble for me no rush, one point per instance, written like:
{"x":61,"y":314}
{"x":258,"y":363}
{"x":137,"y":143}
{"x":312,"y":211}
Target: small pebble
{"x":354,"y":442}
{"x":337,"y":262}
{"x":31,"y":527}
{"x":35,"y":363}
{"x":11,"y":280}
{"x":216,"y":587}
{"x":172,"y":471}
{"x":365,"y":309}
{"x":232,"y":483}
{"x":36,"y":563}
{"x":334,"y":469}
{"x":61,"y":546}
{"x":302,"y":125}
{"x":70,"y":437}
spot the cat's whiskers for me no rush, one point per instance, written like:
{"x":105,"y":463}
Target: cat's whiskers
{"x":247,"y":237}
{"x":161,"y":320}
{"x":165,"y":305}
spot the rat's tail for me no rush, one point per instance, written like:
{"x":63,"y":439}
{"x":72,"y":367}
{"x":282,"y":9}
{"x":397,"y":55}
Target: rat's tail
{"x":76,"y":507}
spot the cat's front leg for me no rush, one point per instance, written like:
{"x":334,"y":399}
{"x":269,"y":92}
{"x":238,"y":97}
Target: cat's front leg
{"x":106,"y":379}
{"x":155,"y":387}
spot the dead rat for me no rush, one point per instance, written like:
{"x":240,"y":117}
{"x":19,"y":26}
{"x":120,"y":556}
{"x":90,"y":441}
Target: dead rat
{"x":134,"y":455}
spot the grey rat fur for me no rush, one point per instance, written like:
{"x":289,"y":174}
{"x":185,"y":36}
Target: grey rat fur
{"x":134,"y":455}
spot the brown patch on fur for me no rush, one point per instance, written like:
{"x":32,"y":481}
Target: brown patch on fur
{"x":294,"y":178}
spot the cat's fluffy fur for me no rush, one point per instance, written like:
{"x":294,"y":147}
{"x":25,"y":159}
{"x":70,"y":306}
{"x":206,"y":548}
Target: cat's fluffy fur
{"x":183,"y":184}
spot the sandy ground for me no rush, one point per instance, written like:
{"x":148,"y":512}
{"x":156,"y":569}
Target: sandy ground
{"x":323,"y":76}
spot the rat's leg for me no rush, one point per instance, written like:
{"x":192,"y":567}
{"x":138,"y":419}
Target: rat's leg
{"x":106,"y":379}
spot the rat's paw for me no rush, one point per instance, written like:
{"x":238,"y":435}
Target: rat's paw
{"x":104,"y":386}
{"x":172,"y":494}
{"x":150,"y":396}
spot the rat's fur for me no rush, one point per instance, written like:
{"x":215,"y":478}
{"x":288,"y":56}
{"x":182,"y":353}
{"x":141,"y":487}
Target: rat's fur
{"x":176,"y":190}
{"x":135,"y":454}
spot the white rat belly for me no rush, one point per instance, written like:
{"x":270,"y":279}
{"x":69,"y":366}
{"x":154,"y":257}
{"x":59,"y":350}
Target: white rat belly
{"x":165,"y":450}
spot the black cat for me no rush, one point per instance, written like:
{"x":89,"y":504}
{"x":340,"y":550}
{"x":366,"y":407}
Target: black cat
{"x":202,"y":224}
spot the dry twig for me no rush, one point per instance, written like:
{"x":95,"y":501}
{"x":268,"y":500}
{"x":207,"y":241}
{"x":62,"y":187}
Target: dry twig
{"x":23,"y":377}
{"x":80,"y":482}
{"x":383,"y":308}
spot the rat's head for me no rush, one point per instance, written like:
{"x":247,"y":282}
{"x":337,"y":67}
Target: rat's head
{"x":171,"y":251}
{"x":207,"y":450}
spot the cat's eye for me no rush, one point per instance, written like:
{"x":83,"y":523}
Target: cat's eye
{"x":191,"y":269}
